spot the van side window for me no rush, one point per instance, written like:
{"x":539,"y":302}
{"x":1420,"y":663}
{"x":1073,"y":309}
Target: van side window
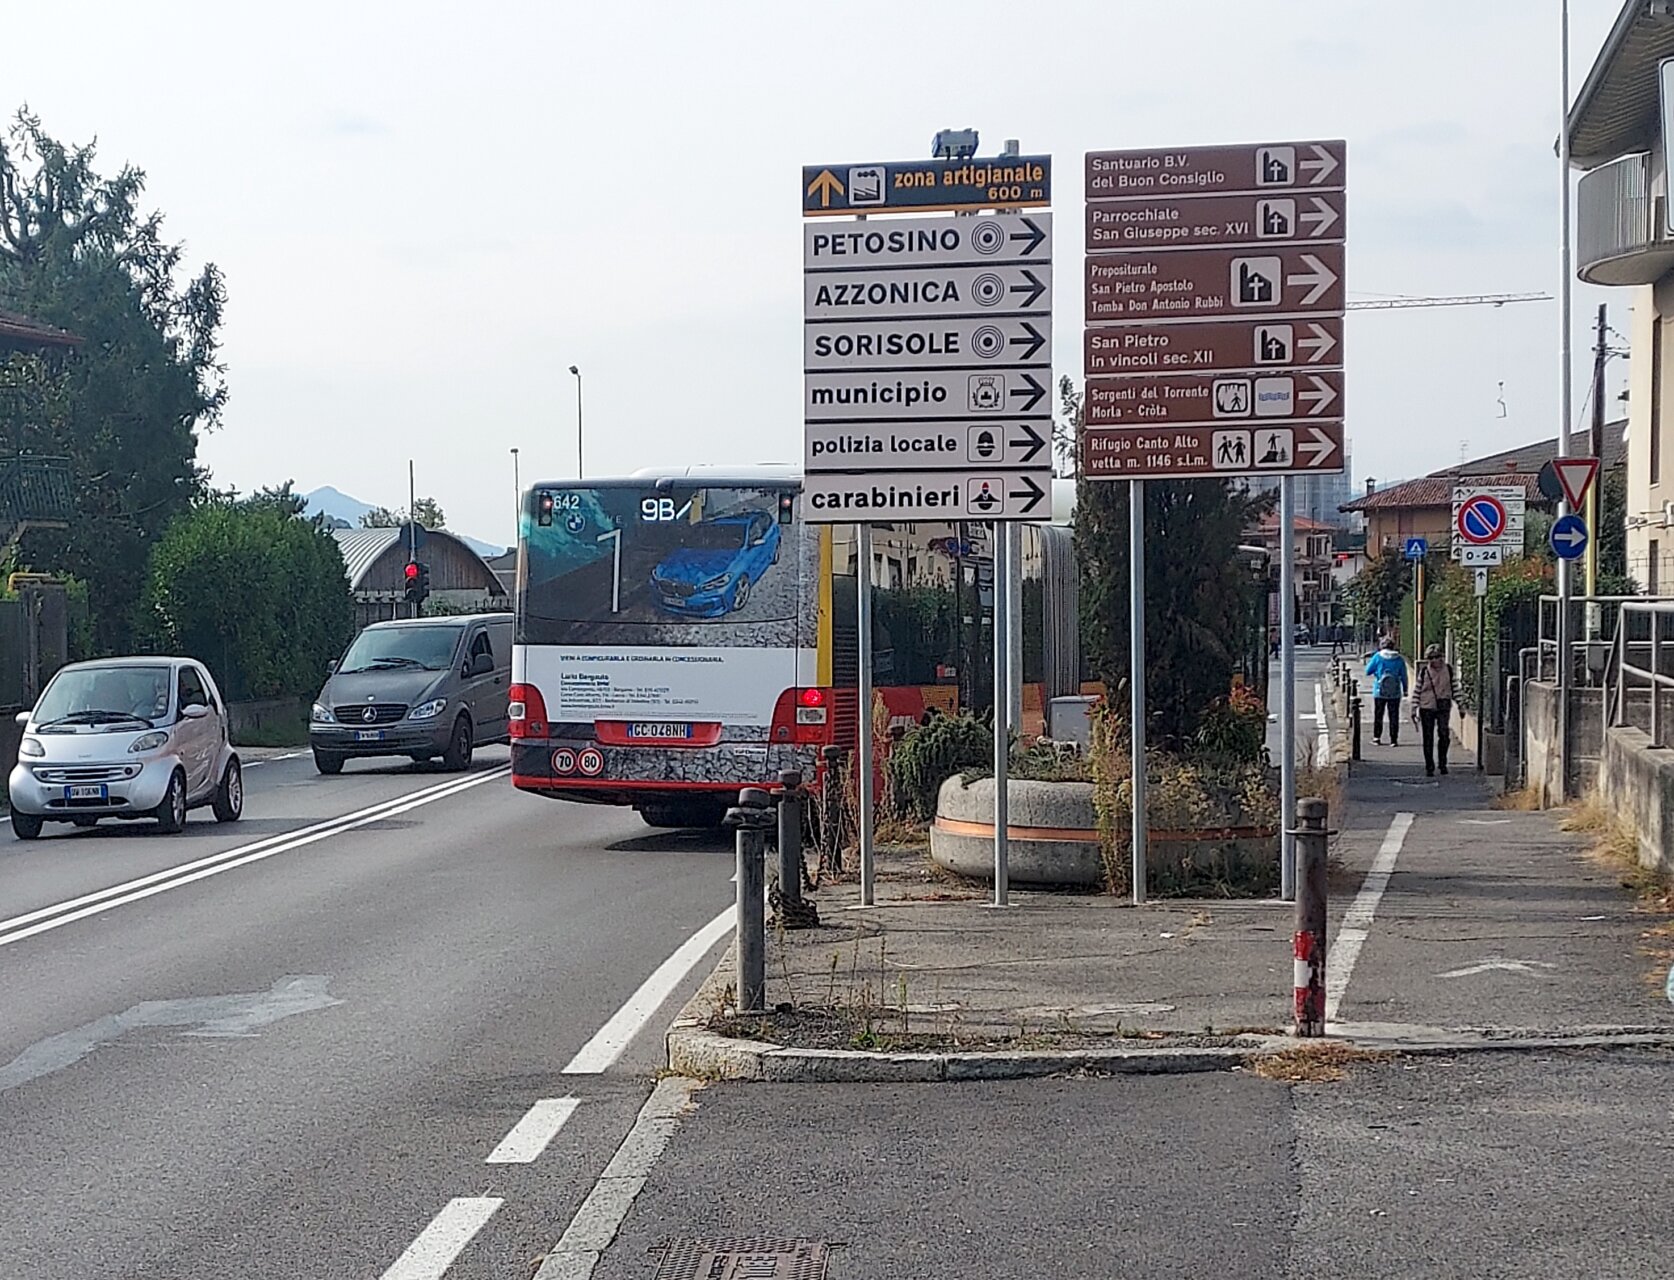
{"x":191,"y":689}
{"x":480,"y":645}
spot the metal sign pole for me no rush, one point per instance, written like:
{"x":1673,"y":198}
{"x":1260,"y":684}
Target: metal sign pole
{"x":1136,"y":681}
{"x":1481,"y":633}
{"x":1566,"y":390}
{"x":863,"y":765}
{"x":1002,"y":709}
{"x":1287,"y":689}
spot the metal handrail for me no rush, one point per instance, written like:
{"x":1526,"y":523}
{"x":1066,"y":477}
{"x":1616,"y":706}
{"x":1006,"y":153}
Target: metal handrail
{"x":1628,"y":671}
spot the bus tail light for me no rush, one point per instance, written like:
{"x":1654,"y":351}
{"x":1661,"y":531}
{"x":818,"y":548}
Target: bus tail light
{"x":803,"y":716}
{"x":526,"y":712}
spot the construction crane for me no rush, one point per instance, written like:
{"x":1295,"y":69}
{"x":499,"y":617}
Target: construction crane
{"x":1466,"y":300}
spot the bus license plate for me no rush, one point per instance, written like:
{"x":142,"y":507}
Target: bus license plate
{"x":86,"y":793}
{"x":370,"y":735}
{"x":660,"y":732}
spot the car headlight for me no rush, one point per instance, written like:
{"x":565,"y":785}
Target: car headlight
{"x":148,"y":742}
{"x":428,"y":710}
{"x":717,"y":582}
{"x":322,"y":715}
{"x":29,"y":747}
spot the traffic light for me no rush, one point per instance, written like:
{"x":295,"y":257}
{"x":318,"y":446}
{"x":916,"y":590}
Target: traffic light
{"x":417,"y":577}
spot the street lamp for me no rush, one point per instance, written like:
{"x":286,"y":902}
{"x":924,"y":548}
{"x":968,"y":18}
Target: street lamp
{"x":579,"y":470}
{"x":517,"y":488}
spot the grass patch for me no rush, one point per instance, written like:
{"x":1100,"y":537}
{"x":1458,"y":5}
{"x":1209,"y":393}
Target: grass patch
{"x":1615,"y":847}
{"x":1321,"y":1063}
{"x":1524,"y":800}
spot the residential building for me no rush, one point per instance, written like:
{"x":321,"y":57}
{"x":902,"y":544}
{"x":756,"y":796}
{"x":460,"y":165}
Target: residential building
{"x":1313,"y":566}
{"x":1618,"y":138}
{"x":1423,"y":508}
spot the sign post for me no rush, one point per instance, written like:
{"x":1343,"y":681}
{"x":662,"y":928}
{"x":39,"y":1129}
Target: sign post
{"x":1214,"y":349}
{"x":927,"y":374}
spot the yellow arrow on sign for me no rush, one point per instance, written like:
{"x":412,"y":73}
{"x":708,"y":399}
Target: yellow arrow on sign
{"x":825,"y":186}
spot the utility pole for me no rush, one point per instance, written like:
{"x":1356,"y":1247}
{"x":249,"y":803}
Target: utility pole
{"x":1601,"y":354}
{"x":412,"y":525}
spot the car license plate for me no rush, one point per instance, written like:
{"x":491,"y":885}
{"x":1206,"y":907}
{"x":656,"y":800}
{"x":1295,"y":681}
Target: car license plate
{"x":87,"y":793}
{"x":660,"y":732}
{"x":370,"y":735}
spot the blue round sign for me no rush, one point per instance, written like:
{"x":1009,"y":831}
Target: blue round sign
{"x":1569,"y":537}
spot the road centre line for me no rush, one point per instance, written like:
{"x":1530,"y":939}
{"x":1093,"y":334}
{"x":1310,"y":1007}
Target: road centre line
{"x":215,"y":864}
{"x":1324,"y":761}
{"x":628,"y":1021}
{"x":435,"y":1248}
{"x":601,"y":1214}
{"x":1357,"y":920}
{"x":530,"y":1135}
{"x":222,"y":856}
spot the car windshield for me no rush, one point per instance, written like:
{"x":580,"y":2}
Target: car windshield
{"x":393,"y":648}
{"x":716,"y":537}
{"x":106,"y":695}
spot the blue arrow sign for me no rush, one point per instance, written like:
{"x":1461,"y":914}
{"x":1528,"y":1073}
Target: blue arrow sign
{"x":1417,"y":548}
{"x":1569,"y":537}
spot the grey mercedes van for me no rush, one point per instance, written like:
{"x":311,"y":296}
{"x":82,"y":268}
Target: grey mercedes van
{"x":422,"y":688}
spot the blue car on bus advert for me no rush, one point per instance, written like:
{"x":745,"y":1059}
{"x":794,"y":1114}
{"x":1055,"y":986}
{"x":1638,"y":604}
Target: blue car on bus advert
{"x":717,"y":565}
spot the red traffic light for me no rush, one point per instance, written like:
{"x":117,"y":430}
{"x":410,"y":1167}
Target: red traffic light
{"x":412,"y":571}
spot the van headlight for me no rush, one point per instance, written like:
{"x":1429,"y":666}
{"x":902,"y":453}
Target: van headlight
{"x":322,"y":715}
{"x":31,"y":748}
{"x":148,"y":742}
{"x":428,"y":710}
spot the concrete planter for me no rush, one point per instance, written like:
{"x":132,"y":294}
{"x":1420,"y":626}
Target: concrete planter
{"x":1055,"y":841}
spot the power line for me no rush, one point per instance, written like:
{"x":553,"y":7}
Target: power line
{"x":1463,"y":300}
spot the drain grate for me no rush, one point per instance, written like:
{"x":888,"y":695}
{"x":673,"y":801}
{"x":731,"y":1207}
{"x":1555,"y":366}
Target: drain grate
{"x":754,"y":1258}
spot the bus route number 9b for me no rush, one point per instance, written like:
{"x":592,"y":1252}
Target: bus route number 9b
{"x":657,"y":510}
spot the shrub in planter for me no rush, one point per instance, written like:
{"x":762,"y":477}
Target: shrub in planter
{"x":933,"y":753}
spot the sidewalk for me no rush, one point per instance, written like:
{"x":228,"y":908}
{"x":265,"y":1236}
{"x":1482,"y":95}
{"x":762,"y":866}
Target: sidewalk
{"x":1460,"y":916}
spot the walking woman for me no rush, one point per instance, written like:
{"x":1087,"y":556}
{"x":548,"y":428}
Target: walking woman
{"x":1433,"y":708}
{"x":1388,"y":670}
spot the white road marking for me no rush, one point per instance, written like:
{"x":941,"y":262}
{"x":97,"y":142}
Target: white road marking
{"x":18,"y":928}
{"x":529,"y":1136}
{"x":1324,"y":761}
{"x":628,"y":1021}
{"x":601,"y":1214}
{"x":1357,"y":920}
{"x":440,"y":1243}
{"x":1489,"y":966}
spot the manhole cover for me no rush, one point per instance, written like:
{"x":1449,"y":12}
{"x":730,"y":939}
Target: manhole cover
{"x":747,"y":1259}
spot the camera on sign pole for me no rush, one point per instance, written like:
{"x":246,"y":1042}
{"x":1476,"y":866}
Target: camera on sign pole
{"x":417,"y":577}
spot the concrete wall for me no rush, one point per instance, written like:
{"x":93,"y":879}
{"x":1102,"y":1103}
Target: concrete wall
{"x":1637,"y":783}
{"x":1545,"y":765}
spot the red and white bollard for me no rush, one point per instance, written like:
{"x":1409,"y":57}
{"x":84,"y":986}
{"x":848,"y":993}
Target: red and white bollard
{"x":1309,"y":942}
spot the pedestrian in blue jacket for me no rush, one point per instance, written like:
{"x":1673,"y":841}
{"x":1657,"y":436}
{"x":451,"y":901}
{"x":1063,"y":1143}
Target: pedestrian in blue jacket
{"x":1388,"y":670}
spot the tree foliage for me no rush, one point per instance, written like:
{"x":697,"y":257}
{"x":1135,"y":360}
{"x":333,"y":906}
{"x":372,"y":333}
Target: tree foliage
{"x":76,"y":251}
{"x":253,"y":590}
{"x":1200,"y":596}
{"x":1378,"y":589}
{"x":427,"y":510}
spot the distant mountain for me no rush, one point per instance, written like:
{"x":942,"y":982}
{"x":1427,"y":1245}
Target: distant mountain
{"x":340,"y":508}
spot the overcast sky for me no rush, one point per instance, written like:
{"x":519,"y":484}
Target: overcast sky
{"x":427,"y":212}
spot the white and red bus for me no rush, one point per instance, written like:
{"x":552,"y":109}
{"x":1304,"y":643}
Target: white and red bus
{"x":682,"y":634}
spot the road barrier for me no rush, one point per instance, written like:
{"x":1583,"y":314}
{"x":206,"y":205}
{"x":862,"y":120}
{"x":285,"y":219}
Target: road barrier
{"x":1309,"y":942}
{"x":752,"y":817}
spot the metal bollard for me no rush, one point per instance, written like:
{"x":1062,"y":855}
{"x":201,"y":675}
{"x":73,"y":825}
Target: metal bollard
{"x":1354,"y":722}
{"x":1309,"y":943}
{"x":752,"y":818}
{"x":790,"y":909}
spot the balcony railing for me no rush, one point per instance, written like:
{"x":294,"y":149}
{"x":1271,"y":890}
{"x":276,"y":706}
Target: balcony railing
{"x":1619,"y":236}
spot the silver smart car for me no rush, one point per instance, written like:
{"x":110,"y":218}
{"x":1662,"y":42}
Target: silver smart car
{"x":125,"y":738}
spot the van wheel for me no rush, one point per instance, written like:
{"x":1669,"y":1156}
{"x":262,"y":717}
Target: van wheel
{"x":458,"y":756}
{"x":328,"y":763}
{"x":229,"y":796}
{"x":171,"y":814}
{"x":26,"y":826}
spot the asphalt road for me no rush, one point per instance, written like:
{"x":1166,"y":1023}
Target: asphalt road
{"x":1313,"y":672}
{"x":291,"y":1064}
{"x":1517,"y":1167}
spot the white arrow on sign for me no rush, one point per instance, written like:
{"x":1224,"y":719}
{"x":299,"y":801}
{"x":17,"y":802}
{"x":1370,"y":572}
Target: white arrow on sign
{"x":1320,"y":447}
{"x":1322,"y":166}
{"x":1321,"y":396}
{"x":1323,"y":217}
{"x":1321,"y":277}
{"x":1321,"y":344}
{"x":1569,"y":537}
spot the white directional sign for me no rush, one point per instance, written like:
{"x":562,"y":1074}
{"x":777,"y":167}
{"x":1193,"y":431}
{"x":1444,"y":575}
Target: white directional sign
{"x":927,"y":242}
{"x":927,"y":365}
{"x":960,"y":342}
{"x":831,"y":497}
{"x":931,"y":394}
{"x":928,"y":291}
{"x":960,"y":445}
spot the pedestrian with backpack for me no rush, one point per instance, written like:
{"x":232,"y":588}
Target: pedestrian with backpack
{"x":1432,"y":707}
{"x":1388,"y":670}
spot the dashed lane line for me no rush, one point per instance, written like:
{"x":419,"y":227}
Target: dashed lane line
{"x":433,"y":1252}
{"x":530,"y":1135}
{"x":1357,"y":920}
